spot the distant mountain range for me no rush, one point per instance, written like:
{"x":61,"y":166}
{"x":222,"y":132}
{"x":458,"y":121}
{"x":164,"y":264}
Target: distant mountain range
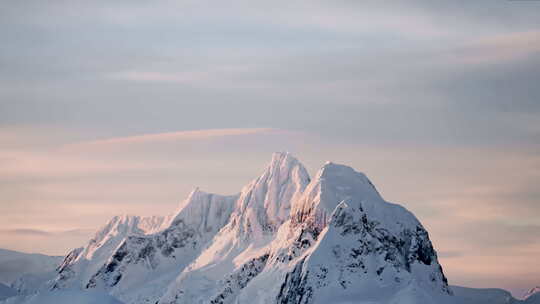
{"x":286,"y":238}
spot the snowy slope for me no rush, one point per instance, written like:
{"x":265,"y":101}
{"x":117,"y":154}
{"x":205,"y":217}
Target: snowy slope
{"x":26,"y":273}
{"x":483,"y":295}
{"x":63,"y":297}
{"x":283,"y":239}
{"x":265,"y":203}
{"x":6,"y":292}
{"x":465,"y":295}
{"x":33,"y":282}
{"x":81,"y":263}
{"x":344,"y":244}
{"x":142,"y":266}
{"x":262,"y":207}
{"x":13,"y":264}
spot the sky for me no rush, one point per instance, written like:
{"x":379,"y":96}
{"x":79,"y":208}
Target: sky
{"x":123,"y":107}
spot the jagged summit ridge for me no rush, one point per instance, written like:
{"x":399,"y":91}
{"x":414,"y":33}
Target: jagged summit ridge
{"x":340,"y":235}
{"x":204,"y":211}
{"x":163,"y":255}
{"x":344,"y":243}
{"x":335,"y":183}
{"x":264,"y":204}
{"x":117,"y":228}
{"x":262,"y":207}
{"x":283,"y":239}
{"x":81,"y":263}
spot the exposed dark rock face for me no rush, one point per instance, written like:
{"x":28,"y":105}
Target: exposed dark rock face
{"x":364,"y":250}
{"x":372,"y":239}
{"x":68,"y":260}
{"x":145,"y":250}
{"x":65,"y":269}
{"x":240,"y":278}
{"x":295,"y":288}
{"x":306,"y":238}
{"x":400,"y":251}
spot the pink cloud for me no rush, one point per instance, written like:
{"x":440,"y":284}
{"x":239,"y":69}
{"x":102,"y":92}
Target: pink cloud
{"x":177,"y":136}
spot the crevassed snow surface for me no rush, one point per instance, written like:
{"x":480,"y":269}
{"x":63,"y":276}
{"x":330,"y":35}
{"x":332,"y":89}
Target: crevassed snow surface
{"x":283,"y":239}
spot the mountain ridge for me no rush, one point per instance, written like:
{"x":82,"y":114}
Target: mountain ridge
{"x":285,"y":238}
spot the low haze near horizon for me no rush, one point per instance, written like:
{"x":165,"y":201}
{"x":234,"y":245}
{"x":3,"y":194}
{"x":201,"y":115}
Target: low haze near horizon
{"x":125,"y":107}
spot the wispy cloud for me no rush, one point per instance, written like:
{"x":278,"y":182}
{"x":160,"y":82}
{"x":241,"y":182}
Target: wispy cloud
{"x":117,"y":154}
{"x":177,"y":136}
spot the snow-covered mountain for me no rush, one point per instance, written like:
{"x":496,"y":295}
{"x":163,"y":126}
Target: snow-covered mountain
{"x":13,"y":264}
{"x":285,"y":238}
{"x":6,"y":292}
{"x":466,"y":295}
{"x":26,"y":273}
{"x":82,"y":263}
{"x":63,"y":297}
{"x":240,"y":248}
{"x":142,"y":266}
{"x":341,"y":242}
{"x":483,"y":296}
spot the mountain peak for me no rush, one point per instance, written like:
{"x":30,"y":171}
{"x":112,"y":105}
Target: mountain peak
{"x":264,"y":204}
{"x":283,"y":162}
{"x":194,"y":191}
{"x":344,"y":174}
{"x":280,"y":155}
{"x":333,"y":184}
{"x":119,"y":224}
{"x":205,"y":210}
